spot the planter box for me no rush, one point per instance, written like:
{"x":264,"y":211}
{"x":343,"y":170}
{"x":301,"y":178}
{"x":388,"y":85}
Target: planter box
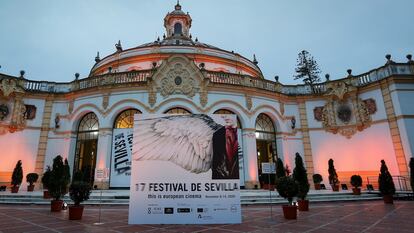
{"x":290,"y":211}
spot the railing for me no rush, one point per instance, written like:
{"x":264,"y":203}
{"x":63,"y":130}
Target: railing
{"x":401,"y":183}
{"x":215,"y":77}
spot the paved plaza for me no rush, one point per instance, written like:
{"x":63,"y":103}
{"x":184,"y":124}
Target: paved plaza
{"x":361,"y":216}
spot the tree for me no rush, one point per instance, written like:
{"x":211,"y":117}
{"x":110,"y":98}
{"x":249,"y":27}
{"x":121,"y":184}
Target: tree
{"x":333,"y":177}
{"x":59,"y":180}
{"x":280,"y":169}
{"x":17,"y":175}
{"x":307,"y":69}
{"x":300,"y":176}
{"x":386,"y":184}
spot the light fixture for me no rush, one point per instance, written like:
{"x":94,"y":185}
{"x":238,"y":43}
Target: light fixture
{"x":64,"y":206}
{"x":257,"y":134}
{"x":293,"y":121}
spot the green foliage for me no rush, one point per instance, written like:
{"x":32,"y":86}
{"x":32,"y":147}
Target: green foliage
{"x":386,"y":184}
{"x":333,"y":177}
{"x":301,"y":177}
{"x":317,"y":178}
{"x":17,"y":176}
{"x":307,"y":69}
{"x":32,"y":178}
{"x":280,"y":169}
{"x":412,"y":173}
{"x":287,"y":187}
{"x":356,"y":181}
{"x":59,"y":178}
{"x":79,"y":190}
{"x":45,"y":177}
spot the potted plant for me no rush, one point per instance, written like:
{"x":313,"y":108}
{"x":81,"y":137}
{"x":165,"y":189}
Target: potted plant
{"x":333,"y":177}
{"x":45,"y":182}
{"x":412,"y":173}
{"x":317,"y":179}
{"x":386,"y":184}
{"x":356,"y":181}
{"x":79,"y":191}
{"x":58,"y":183}
{"x":31,"y":178}
{"x":288,"y":188}
{"x":17,"y":177}
{"x":301,"y":178}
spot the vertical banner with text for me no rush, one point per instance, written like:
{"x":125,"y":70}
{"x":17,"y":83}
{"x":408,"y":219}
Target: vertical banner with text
{"x":121,"y":158}
{"x":185,"y":170}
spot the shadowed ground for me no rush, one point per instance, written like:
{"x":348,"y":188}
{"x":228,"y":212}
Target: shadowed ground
{"x":361,"y":216}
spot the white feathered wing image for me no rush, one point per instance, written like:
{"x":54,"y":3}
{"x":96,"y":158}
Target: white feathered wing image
{"x":186,"y":140}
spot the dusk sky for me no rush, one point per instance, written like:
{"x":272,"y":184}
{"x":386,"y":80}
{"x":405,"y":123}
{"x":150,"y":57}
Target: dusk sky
{"x":52,"y":40}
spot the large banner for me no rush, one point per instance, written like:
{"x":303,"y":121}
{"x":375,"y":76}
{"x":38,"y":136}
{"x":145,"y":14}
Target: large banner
{"x":185,"y":170}
{"x":121,"y":158}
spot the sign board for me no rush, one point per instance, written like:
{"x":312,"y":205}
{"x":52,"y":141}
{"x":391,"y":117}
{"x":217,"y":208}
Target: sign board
{"x":268,"y":168}
{"x":101,"y":174}
{"x":121,"y":158}
{"x":185,"y":170}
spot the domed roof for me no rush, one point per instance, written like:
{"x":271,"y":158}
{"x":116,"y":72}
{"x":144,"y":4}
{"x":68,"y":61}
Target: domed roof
{"x":176,"y":40}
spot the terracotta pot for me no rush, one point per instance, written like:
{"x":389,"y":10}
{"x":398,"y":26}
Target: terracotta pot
{"x":388,"y":199}
{"x":15,"y":189}
{"x":270,"y":187}
{"x":356,"y":191}
{"x":317,"y":186}
{"x":56,"y":205}
{"x":75,"y":212}
{"x":30,"y":188}
{"x":46,"y":194}
{"x":303,"y":205}
{"x":335,"y":188}
{"x":289,"y":211}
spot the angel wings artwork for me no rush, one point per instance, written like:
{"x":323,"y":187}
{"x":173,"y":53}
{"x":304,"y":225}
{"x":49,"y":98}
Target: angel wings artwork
{"x":194,"y":142}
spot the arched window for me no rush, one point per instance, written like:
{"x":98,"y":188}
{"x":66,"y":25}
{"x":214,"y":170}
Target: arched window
{"x":125,"y":119}
{"x":87,"y":146}
{"x":265,"y":140}
{"x":225,"y":111}
{"x":177,"y":111}
{"x":178,"y":29}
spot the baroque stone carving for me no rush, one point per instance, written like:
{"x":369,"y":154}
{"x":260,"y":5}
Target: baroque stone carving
{"x":9,"y":86}
{"x":249,"y":103}
{"x":317,"y":113}
{"x":178,"y":81}
{"x":338,"y":89}
{"x":30,"y":112}
{"x":105,"y":101}
{"x":18,"y":121}
{"x":371,"y":105}
{"x":4,"y":111}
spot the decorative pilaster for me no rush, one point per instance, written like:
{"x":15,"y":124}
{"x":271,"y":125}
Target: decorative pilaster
{"x":306,"y":142}
{"x":395,"y":131}
{"x":44,"y":132}
{"x":250,"y":159}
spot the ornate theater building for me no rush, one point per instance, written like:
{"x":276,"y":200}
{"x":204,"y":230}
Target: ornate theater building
{"x":356,"y":120}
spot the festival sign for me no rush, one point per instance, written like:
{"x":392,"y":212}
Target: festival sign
{"x":185,"y":170}
{"x":121,"y":158}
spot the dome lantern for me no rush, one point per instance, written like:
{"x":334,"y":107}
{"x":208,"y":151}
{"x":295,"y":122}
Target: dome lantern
{"x":177,"y":23}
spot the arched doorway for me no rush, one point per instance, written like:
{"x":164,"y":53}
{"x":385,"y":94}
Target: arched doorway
{"x":87,"y":146}
{"x":122,"y":136}
{"x":177,"y":110}
{"x":178,"y":29}
{"x":265,"y":141}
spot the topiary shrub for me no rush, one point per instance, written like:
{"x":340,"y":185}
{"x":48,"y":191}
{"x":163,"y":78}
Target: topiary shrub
{"x":59,"y":179}
{"x":386,"y":184}
{"x":79,"y":190}
{"x":45,"y":177}
{"x":333,"y":177}
{"x":17,"y":176}
{"x":301,"y":177}
{"x":356,"y":181}
{"x":317,"y":178}
{"x":280,"y":169}
{"x":287,"y":188}
{"x":32,"y":178}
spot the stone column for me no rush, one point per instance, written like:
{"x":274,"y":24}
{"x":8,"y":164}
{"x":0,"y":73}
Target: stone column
{"x":250,"y":158}
{"x":103,"y":154}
